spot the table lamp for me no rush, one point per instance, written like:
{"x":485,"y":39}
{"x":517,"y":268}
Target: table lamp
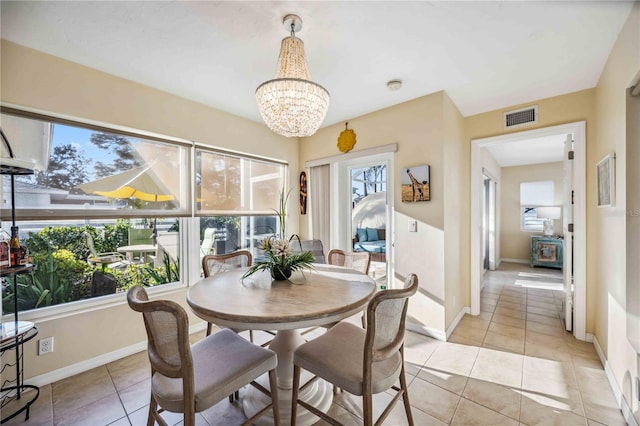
{"x":548,"y":214}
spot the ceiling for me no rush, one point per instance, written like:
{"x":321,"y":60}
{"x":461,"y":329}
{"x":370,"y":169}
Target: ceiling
{"x":485,"y":55}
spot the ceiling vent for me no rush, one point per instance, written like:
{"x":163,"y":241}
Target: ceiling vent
{"x":521,"y":117}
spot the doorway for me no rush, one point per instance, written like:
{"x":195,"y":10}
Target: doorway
{"x":578,"y":299}
{"x":364,"y":189}
{"x":369,"y":216}
{"x":489,"y":222}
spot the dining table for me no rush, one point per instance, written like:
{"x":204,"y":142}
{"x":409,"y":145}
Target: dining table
{"x":136,"y":248}
{"x":312,"y":297}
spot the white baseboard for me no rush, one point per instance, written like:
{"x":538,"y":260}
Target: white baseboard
{"x":427,"y":331}
{"x":617,"y":392}
{"x":522,"y":261}
{"x":456,"y":320}
{"x":82,"y":366}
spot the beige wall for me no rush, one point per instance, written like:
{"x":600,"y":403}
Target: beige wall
{"x":514,"y":242}
{"x":607,"y":234}
{"x":428,"y":130}
{"x":569,"y":108}
{"x":457,"y":160}
{"x":417,"y":128}
{"x":34,"y":80}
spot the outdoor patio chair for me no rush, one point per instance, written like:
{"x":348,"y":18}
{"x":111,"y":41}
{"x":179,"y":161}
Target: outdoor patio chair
{"x":108,"y":260}
{"x":362,"y":362}
{"x":208,"y":241}
{"x":191,"y":378}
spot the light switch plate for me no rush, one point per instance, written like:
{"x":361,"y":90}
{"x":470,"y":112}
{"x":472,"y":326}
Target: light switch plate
{"x":413,"y":226}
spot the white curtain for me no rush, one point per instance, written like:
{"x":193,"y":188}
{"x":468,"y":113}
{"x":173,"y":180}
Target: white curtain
{"x":320,"y":204}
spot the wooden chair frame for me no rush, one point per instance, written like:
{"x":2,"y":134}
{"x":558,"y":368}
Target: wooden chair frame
{"x":371,"y":355}
{"x":138,"y":300}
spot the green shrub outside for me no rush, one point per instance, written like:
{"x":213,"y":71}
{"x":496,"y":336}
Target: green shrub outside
{"x":62,"y":274}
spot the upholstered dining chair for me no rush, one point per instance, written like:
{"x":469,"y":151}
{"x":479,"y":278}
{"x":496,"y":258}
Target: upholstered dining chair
{"x":360,"y":261}
{"x":191,"y":378}
{"x":215,"y":263}
{"x":362,"y":362}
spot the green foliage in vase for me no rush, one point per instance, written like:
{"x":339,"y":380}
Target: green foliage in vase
{"x":280,"y":259}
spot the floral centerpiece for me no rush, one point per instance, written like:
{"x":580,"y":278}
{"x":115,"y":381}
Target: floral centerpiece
{"x":280,"y":259}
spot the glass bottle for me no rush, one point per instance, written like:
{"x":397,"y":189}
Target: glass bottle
{"x":14,"y":247}
{"x":4,"y":250}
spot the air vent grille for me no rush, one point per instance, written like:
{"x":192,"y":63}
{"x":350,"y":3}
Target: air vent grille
{"x":521,"y":117}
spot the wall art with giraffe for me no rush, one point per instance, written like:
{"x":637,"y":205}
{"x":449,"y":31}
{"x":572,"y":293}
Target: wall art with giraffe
{"x":415,"y":184}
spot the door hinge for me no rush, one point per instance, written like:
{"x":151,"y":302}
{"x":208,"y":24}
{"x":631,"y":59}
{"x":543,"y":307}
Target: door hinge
{"x":570,"y":155}
{"x":572,"y":193}
{"x":570,"y":227}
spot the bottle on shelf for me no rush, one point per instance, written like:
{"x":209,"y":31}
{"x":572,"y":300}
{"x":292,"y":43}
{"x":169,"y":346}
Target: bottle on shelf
{"x":5,"y":262}
{"x":15,"y":252}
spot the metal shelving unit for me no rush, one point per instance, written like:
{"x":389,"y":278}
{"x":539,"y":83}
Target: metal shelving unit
{"x":15,"y":334}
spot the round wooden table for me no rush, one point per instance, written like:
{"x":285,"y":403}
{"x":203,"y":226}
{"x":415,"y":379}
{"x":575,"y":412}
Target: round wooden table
{"x":324,"y":295}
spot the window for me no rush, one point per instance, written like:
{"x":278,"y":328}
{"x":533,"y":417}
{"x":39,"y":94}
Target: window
{"x":532,"y":196}
{"x":226,"y":234}
{"x":236,"y":198}
{"x":108,"y":209}
{"x":97,"y":173}
{"x":228,"y":184}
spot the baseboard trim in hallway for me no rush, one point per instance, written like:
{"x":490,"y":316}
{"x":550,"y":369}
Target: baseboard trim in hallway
{"x":627,"y":413}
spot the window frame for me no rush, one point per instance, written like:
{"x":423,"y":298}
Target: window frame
{"x":185,"y":191}
{"x":189,"y":239}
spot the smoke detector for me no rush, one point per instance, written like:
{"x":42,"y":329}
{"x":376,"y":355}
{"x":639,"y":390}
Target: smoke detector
{"x":394,"y":85}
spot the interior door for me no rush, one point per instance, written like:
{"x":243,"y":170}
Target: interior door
{"x":567,"y":227}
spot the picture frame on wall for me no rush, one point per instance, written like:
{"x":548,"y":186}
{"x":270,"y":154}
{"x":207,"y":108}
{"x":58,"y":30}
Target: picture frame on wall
{"x":606,"y":181}
{"x":415,"y":184}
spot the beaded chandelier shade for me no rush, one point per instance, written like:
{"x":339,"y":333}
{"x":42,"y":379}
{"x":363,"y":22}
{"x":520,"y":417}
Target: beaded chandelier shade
{"x":292,"y":104}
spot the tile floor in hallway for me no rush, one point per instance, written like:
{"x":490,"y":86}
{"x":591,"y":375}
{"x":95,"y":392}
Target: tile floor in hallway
{"x":512,"y":365}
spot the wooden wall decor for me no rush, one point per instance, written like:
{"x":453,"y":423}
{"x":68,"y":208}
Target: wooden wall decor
{"x":303,"y":193}
{"x":347,"y":139}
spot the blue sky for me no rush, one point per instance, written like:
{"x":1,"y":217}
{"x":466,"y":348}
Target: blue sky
{"x":81,"y":138}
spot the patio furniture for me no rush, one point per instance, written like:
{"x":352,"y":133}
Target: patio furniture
{"x":362,"y":362}
{"x":371,"y":240}
{"x":167,"y":244}
{"x":208,"y":242}
{"x":107,"y":260}
{"x":191,"y":378}
{"x":139,"y":237}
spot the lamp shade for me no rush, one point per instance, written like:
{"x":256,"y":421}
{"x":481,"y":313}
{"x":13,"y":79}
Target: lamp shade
{"x":291,"y":104}
{"x":552,"y":212}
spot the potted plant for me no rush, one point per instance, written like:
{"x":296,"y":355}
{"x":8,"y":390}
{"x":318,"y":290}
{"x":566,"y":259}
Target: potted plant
{"x":280,"y":259}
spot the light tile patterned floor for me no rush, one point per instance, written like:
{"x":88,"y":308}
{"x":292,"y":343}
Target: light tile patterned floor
{"x":512,"y":365}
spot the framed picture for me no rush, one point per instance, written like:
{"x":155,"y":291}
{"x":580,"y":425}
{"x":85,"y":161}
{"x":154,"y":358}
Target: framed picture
{"x":606,"y":176}
{"x":415,"y":184}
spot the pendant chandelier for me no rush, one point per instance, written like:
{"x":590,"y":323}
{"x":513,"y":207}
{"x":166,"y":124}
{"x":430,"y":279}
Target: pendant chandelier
{"x":292,"y":104}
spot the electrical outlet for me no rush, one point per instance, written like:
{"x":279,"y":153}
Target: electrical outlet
{"x":45,"y":345}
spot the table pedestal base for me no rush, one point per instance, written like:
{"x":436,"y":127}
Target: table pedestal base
{"x":319,"y":394}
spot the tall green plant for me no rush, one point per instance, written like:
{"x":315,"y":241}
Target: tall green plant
{"x":170,"y":272}
{"x":49,"y":284}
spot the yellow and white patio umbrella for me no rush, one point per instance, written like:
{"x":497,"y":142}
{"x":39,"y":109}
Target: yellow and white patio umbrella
{"x":141,"y":182}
